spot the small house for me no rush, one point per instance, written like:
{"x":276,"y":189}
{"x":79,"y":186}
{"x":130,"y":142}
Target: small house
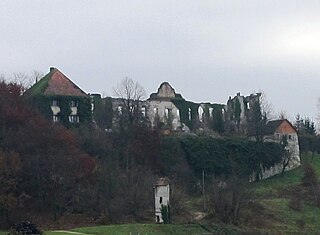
{"x":161,"y":195}
{"x":276,"y":131}
{"x":60,"y":100}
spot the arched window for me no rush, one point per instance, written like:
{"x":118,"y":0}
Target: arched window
{"x":210,"y":111}
{"x":120,"y":109}
{"x":200,"y":113}
{"x":143,"y":111}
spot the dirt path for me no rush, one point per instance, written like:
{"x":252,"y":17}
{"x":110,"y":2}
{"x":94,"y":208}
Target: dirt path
{"x":65,"y":231}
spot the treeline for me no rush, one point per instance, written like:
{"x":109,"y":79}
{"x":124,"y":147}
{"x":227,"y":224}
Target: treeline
{"x":309,"y":140}
{"x":50,"y":172}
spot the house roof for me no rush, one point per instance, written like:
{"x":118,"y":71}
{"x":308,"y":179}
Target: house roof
{"x":56,"y":83}
{"x":162,"y":182}
{"x":273,"y":125}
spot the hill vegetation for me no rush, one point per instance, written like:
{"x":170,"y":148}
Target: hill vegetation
{"x":67,"y":178}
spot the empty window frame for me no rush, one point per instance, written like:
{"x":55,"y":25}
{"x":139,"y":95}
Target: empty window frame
{"x":73,"y":118}
{"x":56,"y":118}
{"x":54,"y":102}
{"x":73,"y":103}
{"x":143,"y":111}
{"x":120,"y":109}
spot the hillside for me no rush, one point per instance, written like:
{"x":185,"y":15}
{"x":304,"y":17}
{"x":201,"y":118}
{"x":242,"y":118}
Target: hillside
{"x":279,"y":205}
{"x":283,"y":204}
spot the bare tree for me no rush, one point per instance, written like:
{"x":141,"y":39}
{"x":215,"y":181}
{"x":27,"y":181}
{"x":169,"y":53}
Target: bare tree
{"x":26,"y":80}
{"x":131,"y":93}
{"x":36,"y":75}
{"x":286,"y":158}
{"x":283,"y":115}
{"x":228,"y":197}
{"x":129,"y":90}
{"x":128,"y":115}
{"x":266,"y":106}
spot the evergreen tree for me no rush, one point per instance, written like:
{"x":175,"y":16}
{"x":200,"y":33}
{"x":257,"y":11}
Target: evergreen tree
{"x":299,"y":124}
{"x":217,"y":122}
{"x":309,"y":126}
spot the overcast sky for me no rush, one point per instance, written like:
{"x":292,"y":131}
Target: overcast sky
{"x":207,"y":50}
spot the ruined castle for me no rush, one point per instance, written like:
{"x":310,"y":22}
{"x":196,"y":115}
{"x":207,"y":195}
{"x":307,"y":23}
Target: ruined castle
{"x":168,"y":109}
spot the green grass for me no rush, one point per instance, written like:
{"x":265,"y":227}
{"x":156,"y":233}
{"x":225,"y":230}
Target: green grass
{"x":271,"y":209}
{"x":290,"y":178}
{"x":142,"y":229}
{"x":291,"y":220}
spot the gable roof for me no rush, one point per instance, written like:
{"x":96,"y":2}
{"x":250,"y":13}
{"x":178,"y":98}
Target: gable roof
{"x":164,"y":181}
{"x":56,"y":83}
{"x":273,"y":125}
{"x":165,"y":92}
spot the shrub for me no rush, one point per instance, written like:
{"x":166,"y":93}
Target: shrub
{"x":309,"y":176}
{"x":165,"y":213}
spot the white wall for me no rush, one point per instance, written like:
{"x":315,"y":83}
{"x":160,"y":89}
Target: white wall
{"x":161,"y":106}
{"x":161,"y":198}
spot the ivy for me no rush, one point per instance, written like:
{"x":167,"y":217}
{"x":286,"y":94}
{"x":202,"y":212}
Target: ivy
{"x":229,"y":155}
{"x":43,"y":104}
{"x":103,"y":112}
{"x":186,"y":107}
{"x":165,"y":214}
{"x":237,"y":110}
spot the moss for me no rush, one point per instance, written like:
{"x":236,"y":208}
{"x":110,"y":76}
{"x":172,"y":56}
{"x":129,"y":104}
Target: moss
{"x":40,"y":86}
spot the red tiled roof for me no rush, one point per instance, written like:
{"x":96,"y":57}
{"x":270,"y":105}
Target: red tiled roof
{"x":59,"y":84}
{"x":272,"y":126}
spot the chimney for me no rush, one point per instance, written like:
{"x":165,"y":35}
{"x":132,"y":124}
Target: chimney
{"x":51,"y":69}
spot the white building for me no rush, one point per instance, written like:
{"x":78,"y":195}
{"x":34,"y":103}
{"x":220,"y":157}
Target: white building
{"x":161,"y":108}
{"x":161,"y":196}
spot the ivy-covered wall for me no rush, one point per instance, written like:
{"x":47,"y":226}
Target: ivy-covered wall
{"x":223,"y":156}
{"x":43,"y":104}
{"x":184,"y":107}
{"x":103,"y":112}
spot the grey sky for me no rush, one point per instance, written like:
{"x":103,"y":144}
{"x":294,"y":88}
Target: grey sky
{"x":207,"y":50}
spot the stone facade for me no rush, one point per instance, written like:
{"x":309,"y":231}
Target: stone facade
{"x":238,"y":111}
{"x":161,"y":109}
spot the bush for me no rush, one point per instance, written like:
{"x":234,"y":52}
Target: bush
{"x":309,"y":176}
{"x":165,"y":213}
{"x":25,"y":227}
{"x":310,"y":180}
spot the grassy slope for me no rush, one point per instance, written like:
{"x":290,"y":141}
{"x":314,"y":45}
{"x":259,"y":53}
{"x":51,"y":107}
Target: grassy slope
{"x":275,"y":199}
